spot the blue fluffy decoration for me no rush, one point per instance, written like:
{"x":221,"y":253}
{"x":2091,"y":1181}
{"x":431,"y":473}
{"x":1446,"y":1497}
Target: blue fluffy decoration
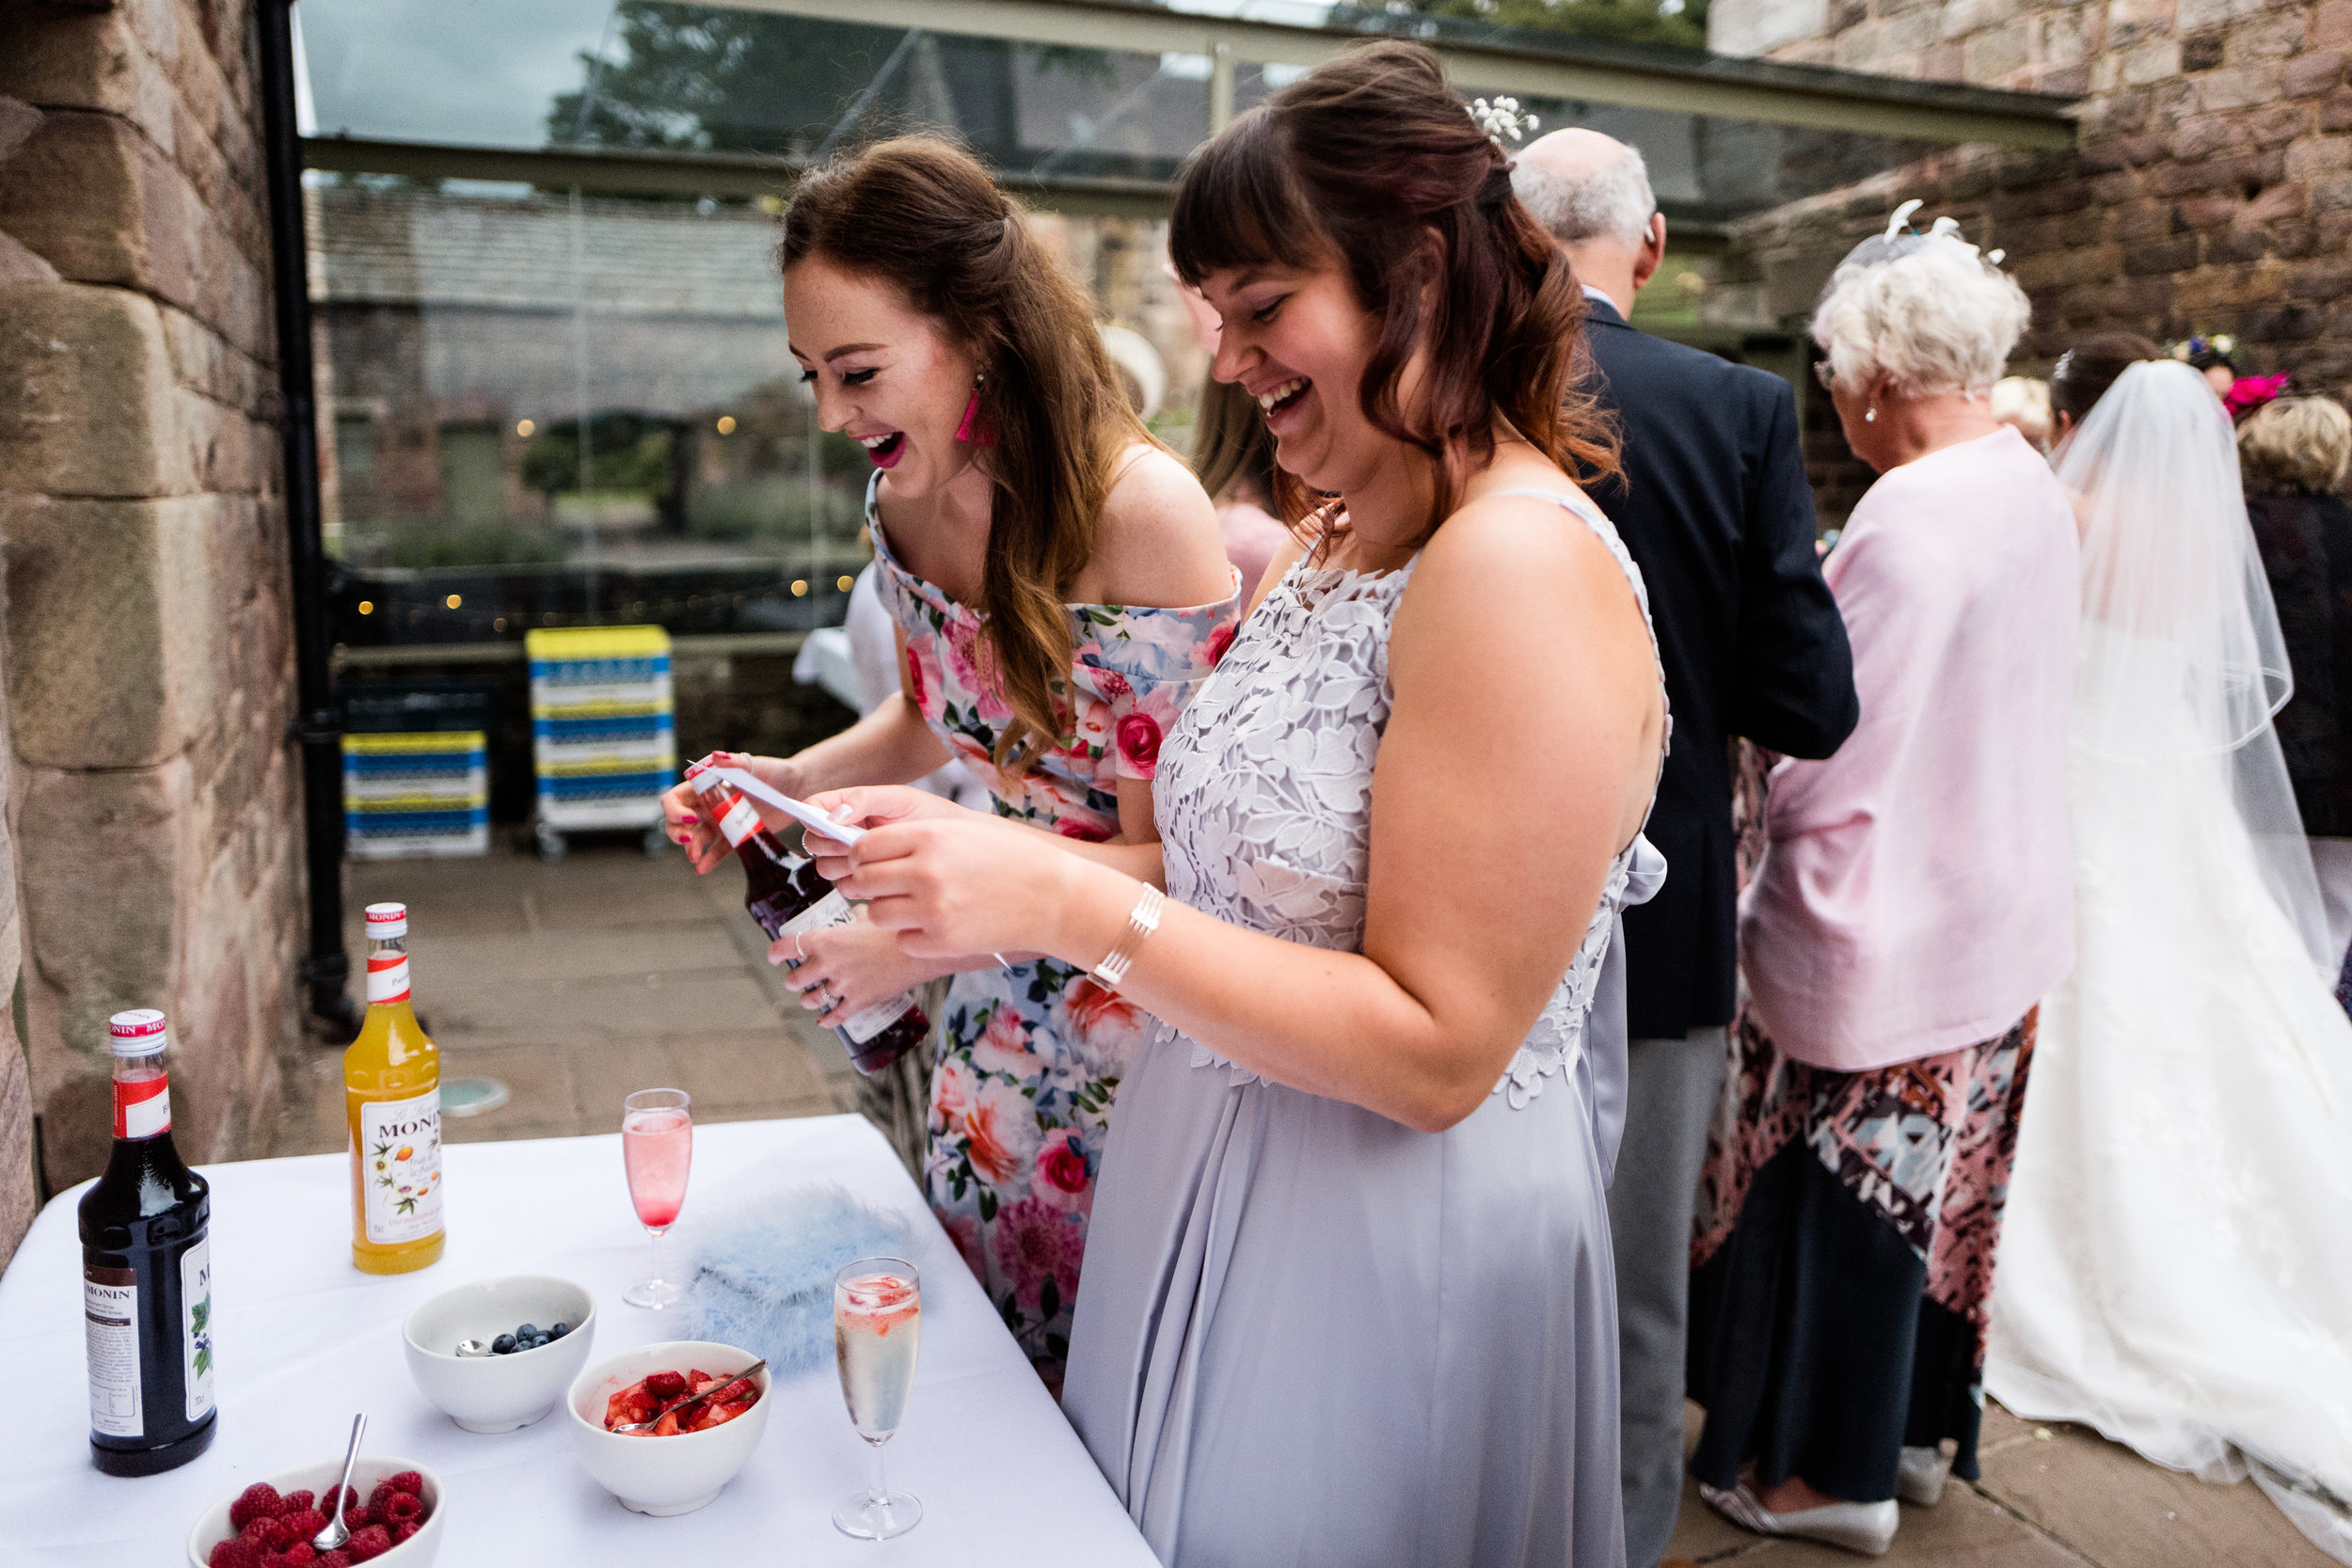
{"x":762,"y":1277}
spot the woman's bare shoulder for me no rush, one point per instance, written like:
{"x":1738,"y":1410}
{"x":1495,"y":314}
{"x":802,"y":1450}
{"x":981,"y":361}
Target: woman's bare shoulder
{"x":1524,"y":560}
{"x":1158,"y":543}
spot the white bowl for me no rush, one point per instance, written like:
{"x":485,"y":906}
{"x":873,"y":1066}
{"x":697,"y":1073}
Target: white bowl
{"x":662,"y":1476}
{"x":418,"y":1551}
{"x":499,"y":1393}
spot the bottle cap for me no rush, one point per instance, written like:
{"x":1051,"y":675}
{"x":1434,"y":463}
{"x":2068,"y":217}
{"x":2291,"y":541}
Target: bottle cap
{"x":387,"y":921}
{"x":139,"y":1032}
{"x":704,"y":776}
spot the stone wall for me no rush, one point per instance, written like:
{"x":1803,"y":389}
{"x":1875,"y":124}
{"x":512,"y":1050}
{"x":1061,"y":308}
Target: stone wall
{"x":147,"y":645}
{"x":2211,"y":190}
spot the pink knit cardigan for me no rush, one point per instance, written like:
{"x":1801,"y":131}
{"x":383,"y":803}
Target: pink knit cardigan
{"x":1917,"y":895}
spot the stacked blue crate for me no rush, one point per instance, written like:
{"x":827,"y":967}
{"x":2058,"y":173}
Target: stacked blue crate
{"x":603,"y":730}
{"x":417,"y":792}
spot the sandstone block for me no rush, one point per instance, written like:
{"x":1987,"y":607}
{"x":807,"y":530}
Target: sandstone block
{"x":2335,"y":111}
{"x":2162,"y":257}
{"x":20,"y":265}
{"x":2204,"y":212}
{"x":2293,"y":238}
{"x":104,"y":888}
{"x":2203,"y":138}
{"x":2237,"y":86}
{"x":2189,"y":15}
{"x":18,"y":121}
{"x":103,"y":205}
{"x":2321,"y":280}
{"x":2319,"y":71}
{"x":2291,"y":200}
{"x":115,"y":637}
{"x":88,"y":408}
{"x":2279,"y":124}
{"x":1994,"y":56}
{"x":2330,"y":25}
{"x":2151,"y":61}
{"x":2277,"y":37}
{"x":2318,"y":155}
{"x":1749,"y":28}
{"x":18,"y":1196}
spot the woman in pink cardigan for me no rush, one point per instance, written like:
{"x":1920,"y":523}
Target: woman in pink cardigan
{"x":1914,"y":902}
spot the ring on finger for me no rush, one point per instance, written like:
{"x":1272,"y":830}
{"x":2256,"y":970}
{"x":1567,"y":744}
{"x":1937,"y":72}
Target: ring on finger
{"x":798,"y":950}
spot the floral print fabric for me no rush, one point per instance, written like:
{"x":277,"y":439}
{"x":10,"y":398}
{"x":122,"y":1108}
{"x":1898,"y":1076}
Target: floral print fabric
{"x":1030,"y":1055}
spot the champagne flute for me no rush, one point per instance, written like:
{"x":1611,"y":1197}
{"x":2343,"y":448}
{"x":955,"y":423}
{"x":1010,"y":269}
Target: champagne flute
{"x":877,"y":1324}
{"x":657,"y":1149}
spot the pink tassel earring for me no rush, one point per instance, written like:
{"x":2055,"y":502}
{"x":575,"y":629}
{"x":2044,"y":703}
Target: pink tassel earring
{"x":975,"y":428}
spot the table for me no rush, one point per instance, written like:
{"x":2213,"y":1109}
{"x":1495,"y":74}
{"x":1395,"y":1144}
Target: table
{"x":304,"y":1340}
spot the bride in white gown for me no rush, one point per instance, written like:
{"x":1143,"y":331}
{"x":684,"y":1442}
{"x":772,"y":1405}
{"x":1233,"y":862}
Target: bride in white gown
{"x":2176,"y":1265}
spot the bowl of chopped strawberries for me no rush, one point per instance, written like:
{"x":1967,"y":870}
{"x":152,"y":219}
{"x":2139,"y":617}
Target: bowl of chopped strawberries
{"x":665,"y":1427}
{"x":395,"y":1514}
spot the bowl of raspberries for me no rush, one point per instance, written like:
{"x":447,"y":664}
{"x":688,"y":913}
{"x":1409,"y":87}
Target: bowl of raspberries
{"x":394,"y":1513}
{"x":689,"y":1454}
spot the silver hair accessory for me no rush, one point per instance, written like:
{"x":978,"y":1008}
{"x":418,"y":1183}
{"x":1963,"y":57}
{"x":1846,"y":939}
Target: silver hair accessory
{"x":1500,"y":118}
{"x":1900,"y":239}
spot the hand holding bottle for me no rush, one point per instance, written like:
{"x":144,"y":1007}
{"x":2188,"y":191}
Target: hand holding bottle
{"x":689,"y":826}
{"x":875,"y":806}
{"x":952,"y":882}
{"x":844,"y":970}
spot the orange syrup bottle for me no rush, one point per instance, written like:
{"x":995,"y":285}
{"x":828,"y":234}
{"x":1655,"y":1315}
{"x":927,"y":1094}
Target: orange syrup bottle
{"x":392,"y":1094}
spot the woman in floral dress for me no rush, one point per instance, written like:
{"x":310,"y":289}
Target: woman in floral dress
{"x":1027,"y":531}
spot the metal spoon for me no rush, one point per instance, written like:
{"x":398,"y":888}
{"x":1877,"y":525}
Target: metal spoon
{"x":474,"y":1347}
{"x":335,"y":1532}
{"x":730,"y":1381}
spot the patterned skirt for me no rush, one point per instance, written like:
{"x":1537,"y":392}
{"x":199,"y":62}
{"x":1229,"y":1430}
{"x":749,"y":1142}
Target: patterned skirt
{"x":1842,"y":1261}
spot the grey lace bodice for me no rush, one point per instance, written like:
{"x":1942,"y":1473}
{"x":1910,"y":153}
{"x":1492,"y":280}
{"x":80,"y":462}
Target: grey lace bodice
{"x":1265,"y":788}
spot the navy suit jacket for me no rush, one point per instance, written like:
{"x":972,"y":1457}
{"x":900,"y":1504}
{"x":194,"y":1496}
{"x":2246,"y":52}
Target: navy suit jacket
{"x":1715,"y":508}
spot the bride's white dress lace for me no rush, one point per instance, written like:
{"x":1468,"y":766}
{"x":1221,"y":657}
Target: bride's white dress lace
{"x":2176,"y":1259}
{"x":1308,"y":1334}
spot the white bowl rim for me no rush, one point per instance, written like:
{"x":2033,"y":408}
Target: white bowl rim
{"x":407,"y":1324}
{"x":571,"y":1395}
{"x":441,"y":1493}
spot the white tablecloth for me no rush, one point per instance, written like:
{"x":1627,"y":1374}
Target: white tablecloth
{"x":304,"y":1340}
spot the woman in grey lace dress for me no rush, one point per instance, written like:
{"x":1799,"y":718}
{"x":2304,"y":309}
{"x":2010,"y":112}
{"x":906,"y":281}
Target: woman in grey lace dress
{"x":1349,"y":1297}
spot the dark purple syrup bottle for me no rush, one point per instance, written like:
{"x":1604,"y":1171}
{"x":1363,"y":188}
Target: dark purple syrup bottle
{"x":786,"y":894}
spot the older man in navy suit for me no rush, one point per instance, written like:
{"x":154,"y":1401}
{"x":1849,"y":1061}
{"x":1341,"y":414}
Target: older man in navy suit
{"x":1715,"y":509}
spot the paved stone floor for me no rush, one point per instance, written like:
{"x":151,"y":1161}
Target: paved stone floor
{"x":2052,"y":1497}
{"x":577,"y":981}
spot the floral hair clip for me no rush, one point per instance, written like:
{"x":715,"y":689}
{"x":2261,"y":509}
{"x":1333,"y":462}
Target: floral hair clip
{"x":2197,"y":343}
{"x":1500,"y":118}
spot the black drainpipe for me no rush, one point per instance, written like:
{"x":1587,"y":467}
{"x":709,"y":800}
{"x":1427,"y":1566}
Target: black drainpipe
{"x":318,"y":726}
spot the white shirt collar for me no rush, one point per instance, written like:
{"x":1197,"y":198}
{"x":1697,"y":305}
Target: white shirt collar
{"x":1591,"y":293}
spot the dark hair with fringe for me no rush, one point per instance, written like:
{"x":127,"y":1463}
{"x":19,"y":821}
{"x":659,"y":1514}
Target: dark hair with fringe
{"x":1367,"y":160}
{"x":922,"y":215}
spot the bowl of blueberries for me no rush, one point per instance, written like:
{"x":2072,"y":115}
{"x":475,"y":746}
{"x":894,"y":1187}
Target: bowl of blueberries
{"x":497,"y":1353}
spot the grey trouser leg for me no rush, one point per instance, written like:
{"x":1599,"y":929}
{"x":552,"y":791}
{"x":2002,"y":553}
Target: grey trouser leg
{"x":1670,"y":1102}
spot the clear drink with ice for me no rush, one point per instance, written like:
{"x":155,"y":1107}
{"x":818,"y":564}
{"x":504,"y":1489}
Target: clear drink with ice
{"x":877,"y":1329}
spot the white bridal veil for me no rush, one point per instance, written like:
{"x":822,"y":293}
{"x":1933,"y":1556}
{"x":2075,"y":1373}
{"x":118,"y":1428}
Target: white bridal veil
{"x":2181,"y":654}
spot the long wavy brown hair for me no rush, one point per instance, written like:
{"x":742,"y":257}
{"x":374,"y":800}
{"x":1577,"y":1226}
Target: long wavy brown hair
{"x":921,"y":215}
{"x":1370,"y":159}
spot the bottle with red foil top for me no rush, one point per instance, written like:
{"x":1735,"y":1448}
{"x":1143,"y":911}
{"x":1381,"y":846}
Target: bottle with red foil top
{"x":785,"y":892}
{"x":147,"y":1274}
{"x":392,"y":1093}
